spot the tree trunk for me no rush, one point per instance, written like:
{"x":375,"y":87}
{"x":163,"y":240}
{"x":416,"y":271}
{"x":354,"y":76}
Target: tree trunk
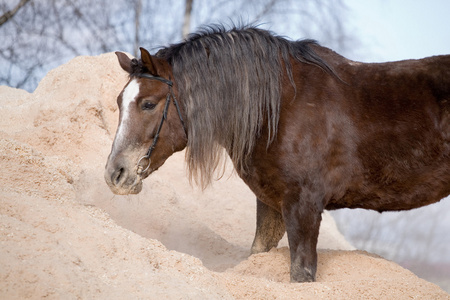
{"x":137,"y":18}
{"x":187,"y":18}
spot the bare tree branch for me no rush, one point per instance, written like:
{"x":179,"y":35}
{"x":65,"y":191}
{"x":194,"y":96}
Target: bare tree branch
{"x":266,"y":9}
{"x":48,"y":33}
{"x":10,"y":13}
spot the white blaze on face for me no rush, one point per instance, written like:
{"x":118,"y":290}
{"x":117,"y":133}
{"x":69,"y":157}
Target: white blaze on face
{"x":128,"y":99}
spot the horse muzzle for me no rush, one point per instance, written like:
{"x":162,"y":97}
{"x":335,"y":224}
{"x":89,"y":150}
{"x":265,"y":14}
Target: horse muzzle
{"x":123,"y":181}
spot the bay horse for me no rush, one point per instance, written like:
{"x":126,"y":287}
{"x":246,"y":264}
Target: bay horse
{"x":305,"y":128}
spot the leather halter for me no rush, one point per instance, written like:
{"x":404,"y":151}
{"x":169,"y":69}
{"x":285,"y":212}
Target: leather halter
{"x":170,"y":94}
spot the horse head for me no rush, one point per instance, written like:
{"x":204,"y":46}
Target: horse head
{"x":146,"y":117}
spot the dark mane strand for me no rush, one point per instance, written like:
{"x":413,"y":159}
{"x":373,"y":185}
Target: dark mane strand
{"x":230,"y":83}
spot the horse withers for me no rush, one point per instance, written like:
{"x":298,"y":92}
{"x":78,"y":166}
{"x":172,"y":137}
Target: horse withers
{"x":306,"y":129}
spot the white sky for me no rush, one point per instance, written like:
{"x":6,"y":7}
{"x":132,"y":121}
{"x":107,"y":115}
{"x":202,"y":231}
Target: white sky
{"x":400,"y":29}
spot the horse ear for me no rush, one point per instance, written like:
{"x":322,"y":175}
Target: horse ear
{"x":150,"y":62}
{"x":124,"y":61}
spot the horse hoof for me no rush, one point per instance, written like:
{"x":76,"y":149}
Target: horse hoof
{"x":302,"y":275}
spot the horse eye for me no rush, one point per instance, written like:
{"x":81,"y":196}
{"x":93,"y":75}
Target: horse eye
{"x":148,"y":106}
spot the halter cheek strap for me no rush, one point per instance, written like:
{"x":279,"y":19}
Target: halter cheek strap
{"x":141,"y":162}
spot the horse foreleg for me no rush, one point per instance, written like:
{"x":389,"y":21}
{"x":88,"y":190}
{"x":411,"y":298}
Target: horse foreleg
{"x":302,"y":220}
{"x":269,"y":228}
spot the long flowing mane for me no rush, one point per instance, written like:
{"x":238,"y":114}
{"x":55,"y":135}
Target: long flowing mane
{"x":230,"y":84}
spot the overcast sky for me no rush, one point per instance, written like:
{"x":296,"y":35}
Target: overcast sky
{"x":400,"y":29}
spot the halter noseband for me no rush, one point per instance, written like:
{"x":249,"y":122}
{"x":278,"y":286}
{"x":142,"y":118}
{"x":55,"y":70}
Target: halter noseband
{"x":170,"y":94}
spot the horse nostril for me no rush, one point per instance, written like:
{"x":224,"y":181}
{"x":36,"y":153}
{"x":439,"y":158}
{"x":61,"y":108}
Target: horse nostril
{"x":117,"y":176}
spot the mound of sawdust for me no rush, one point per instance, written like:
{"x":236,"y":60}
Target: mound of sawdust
{"x":63,"y":234}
